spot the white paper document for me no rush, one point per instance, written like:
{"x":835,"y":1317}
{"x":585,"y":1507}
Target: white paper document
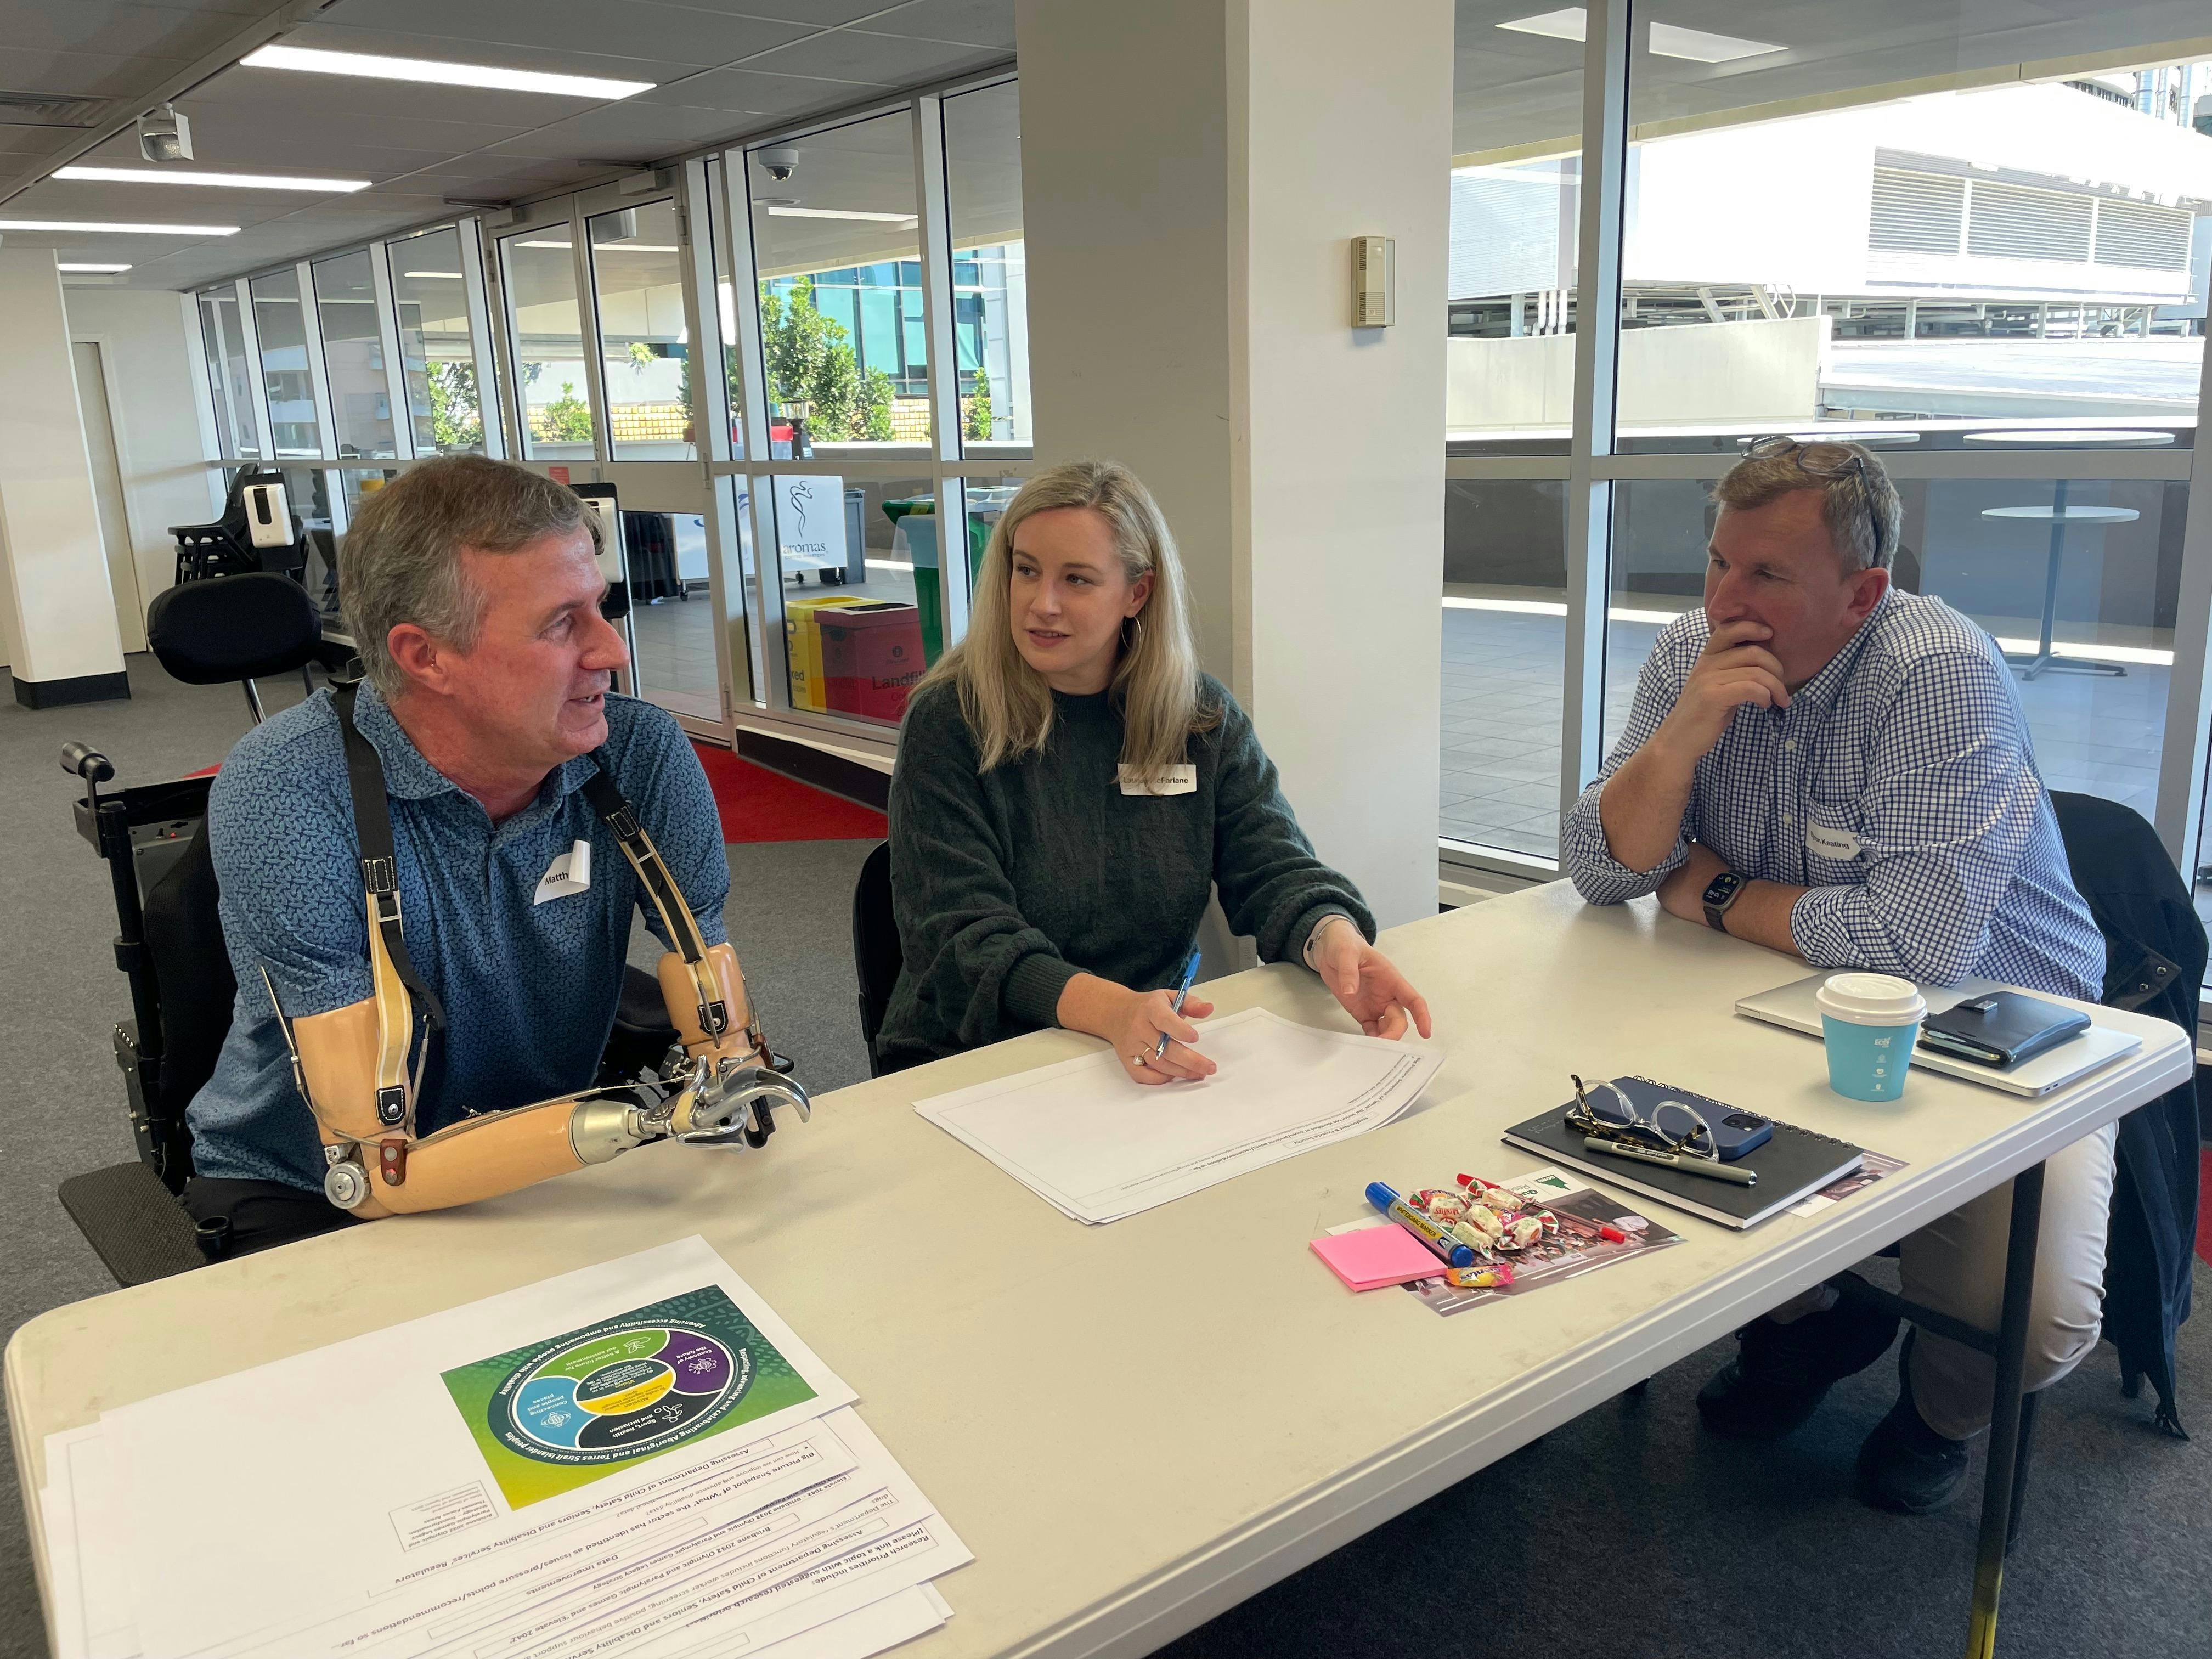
{"x":639,"y":1457}
{"x":1098,"y":1147}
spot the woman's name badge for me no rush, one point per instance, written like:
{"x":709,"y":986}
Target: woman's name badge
{"x":1168,"y":780}
{"x":570,"y":872}
{"x":1830,"y":843}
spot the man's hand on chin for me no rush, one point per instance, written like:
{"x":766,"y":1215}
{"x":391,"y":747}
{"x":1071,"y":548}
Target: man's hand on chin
{"x":1683,"y":893}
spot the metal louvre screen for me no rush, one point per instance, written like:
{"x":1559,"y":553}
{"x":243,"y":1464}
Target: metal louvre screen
{"x":1915,"y":212}
{"x":2010,"y":223}
{"x":2138,"y":233}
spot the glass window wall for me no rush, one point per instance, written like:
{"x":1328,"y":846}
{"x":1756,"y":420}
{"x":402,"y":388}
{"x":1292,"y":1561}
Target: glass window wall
{"x":545,"y":325}
{"x":353,"y":357}
{"x":437,"y":344}
{"x":230,"y":379}
{"x":1505,"y":640}
{"x":279,"y":326}
{"x":645,"y":354}
{"x":838,"y":248}
{"x":1936,"y":258}
{"x":990,"y":279}
{"x":1934,"y":247}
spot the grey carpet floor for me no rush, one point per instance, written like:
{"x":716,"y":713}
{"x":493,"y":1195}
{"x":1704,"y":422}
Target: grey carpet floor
{"x":1624,"y":1533}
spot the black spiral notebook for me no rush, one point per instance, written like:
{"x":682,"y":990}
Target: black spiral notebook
{"x":1793,"y":1163}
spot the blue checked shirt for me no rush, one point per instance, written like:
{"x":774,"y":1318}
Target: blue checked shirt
{"x":1899,"y":786}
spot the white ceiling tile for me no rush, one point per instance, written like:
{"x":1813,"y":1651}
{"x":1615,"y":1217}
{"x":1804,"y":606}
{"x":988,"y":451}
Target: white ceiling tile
{"x":79,"y":74}
{"x":885,"y":59}
{"x":977,"y":22}
{"x":626,"y":131}
{"x":743,"y":92}
{"x":588,"y":28}
{"x":816,"y":14}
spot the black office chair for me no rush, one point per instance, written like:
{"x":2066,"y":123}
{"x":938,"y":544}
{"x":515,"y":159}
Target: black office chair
{"x":877,"y":955}
{"x":2155,"y":953}
{"x":226,"y":547}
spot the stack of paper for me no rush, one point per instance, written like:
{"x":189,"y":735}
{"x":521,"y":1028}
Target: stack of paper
{"x":1097,"y":1146}
{"x":639,"y":1457}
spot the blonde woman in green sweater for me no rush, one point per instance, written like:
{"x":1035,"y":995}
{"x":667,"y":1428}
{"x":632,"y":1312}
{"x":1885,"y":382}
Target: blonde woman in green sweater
{"x":1071,"y":789}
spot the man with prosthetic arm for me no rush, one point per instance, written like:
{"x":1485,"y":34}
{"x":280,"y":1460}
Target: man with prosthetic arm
{"x":427,"y":885}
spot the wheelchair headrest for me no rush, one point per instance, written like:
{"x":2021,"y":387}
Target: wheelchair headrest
{"x":234,"y":628}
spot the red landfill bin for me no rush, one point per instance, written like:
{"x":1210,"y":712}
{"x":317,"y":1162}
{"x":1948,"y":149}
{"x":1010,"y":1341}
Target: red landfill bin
{"x":871,"y":659}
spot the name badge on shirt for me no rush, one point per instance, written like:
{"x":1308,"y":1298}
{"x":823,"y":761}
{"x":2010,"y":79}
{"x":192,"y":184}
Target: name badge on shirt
{"x":568,"y":874}
{"x":1833,"y":843}
{"x":1169,"y":781}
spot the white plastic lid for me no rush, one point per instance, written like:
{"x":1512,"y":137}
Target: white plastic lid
{"x":1872,"y":1000}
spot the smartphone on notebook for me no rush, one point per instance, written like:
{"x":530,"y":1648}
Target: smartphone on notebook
{"x":1734,"y":1133}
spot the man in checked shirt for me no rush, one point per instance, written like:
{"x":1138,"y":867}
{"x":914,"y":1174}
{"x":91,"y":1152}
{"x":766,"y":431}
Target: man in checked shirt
{"x":1828,"y":766}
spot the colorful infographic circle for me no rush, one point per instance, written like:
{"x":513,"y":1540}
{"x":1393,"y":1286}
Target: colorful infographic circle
{"x":621,"y":1391}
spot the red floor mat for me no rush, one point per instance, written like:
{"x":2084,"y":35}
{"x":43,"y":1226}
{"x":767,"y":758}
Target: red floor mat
{"x":758,"y":805}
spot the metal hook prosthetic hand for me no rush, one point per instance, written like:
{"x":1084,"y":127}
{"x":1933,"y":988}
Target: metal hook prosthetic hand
{"x":716,"y":1089}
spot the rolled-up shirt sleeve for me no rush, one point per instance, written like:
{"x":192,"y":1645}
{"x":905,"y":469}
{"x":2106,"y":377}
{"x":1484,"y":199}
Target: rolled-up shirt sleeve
{"x":1585,"y":855}
{"x":1947,"y":813}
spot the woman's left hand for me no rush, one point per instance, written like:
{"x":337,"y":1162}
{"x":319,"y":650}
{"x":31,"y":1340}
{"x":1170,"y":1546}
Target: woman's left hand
{"x":1370,"y":987}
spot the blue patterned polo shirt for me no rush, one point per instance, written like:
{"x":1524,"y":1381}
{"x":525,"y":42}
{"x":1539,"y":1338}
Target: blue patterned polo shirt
{"x":529,"y":989}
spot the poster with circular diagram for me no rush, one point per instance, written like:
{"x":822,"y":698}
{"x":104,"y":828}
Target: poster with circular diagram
{"x":574,"y":1408}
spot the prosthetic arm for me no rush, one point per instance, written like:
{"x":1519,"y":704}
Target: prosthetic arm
{"x":351,"y":1063}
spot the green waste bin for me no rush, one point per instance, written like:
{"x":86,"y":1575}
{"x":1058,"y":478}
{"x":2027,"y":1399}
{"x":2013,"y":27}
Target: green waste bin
{"x":919,"y":517}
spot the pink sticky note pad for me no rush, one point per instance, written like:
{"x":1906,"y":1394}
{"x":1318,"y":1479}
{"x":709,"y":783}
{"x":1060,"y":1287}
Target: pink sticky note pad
{"x":1375,"y":1256}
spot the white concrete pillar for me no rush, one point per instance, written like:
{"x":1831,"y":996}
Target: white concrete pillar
{"x":1193,"y":171}
{"x":56,"y":610}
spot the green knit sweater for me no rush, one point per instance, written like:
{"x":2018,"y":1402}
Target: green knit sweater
{"x":1007,"y":884}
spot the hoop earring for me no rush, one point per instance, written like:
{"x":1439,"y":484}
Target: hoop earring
{"x":1133,"y":632}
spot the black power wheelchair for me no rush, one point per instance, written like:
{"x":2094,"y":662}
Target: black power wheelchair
{"x":169,"y":941}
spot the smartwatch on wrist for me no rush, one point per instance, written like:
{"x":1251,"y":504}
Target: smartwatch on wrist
{"x":1722,"y":891}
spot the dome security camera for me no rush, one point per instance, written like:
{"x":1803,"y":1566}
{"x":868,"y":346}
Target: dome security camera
{"x":779,"y":162}
{"x":165,"y":135}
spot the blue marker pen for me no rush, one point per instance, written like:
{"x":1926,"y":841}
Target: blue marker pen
{"x":1183,"y":991}
{"x":1454,"y":1254}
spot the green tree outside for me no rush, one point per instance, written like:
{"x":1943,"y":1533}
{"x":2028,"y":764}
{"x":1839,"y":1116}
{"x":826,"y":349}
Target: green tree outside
{"x":456,"y":416}
{"x":810,"y":360}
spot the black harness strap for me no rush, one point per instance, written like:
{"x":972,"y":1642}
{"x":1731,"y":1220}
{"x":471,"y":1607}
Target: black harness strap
{"x":652,"y":872}
{"x":380,"y":870}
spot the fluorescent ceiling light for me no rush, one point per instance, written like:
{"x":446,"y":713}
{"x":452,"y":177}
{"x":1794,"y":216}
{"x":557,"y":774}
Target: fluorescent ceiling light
{"x":92,"y":227}
{"x":904,"y":219}
{"x":449,"y":276}
{"x":1572,"y":24}
{"x":562,"y":245}
{"x":1699,"y":47}
{"x":103,"y":271}
{"x":379,"y":68}
{"x":1667,"y":39}
{"x":237,"y":181}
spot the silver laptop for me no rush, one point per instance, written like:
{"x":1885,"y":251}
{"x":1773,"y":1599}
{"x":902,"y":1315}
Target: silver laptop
{"x":1795,"y":1006}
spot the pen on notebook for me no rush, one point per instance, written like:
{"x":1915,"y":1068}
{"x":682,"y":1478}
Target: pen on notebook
{"x":1181,"y":996}
{"x":1699,"y":1166}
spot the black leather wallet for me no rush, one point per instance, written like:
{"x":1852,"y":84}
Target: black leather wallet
{"x":2002,"y":1028}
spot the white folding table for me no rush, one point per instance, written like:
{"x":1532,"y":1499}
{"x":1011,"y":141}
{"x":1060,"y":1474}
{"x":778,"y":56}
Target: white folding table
{"x":1136,"y":1426}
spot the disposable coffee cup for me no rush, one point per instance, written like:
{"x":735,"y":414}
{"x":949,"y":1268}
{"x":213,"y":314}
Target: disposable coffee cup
{"x":1869,"y":1022}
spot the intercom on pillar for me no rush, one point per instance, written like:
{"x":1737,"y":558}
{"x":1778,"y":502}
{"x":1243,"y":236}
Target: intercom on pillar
{"x":1374,"y":282}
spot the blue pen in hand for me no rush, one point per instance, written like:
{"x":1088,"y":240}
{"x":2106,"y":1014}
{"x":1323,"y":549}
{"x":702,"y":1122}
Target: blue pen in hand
{"x":1182,"y":992}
